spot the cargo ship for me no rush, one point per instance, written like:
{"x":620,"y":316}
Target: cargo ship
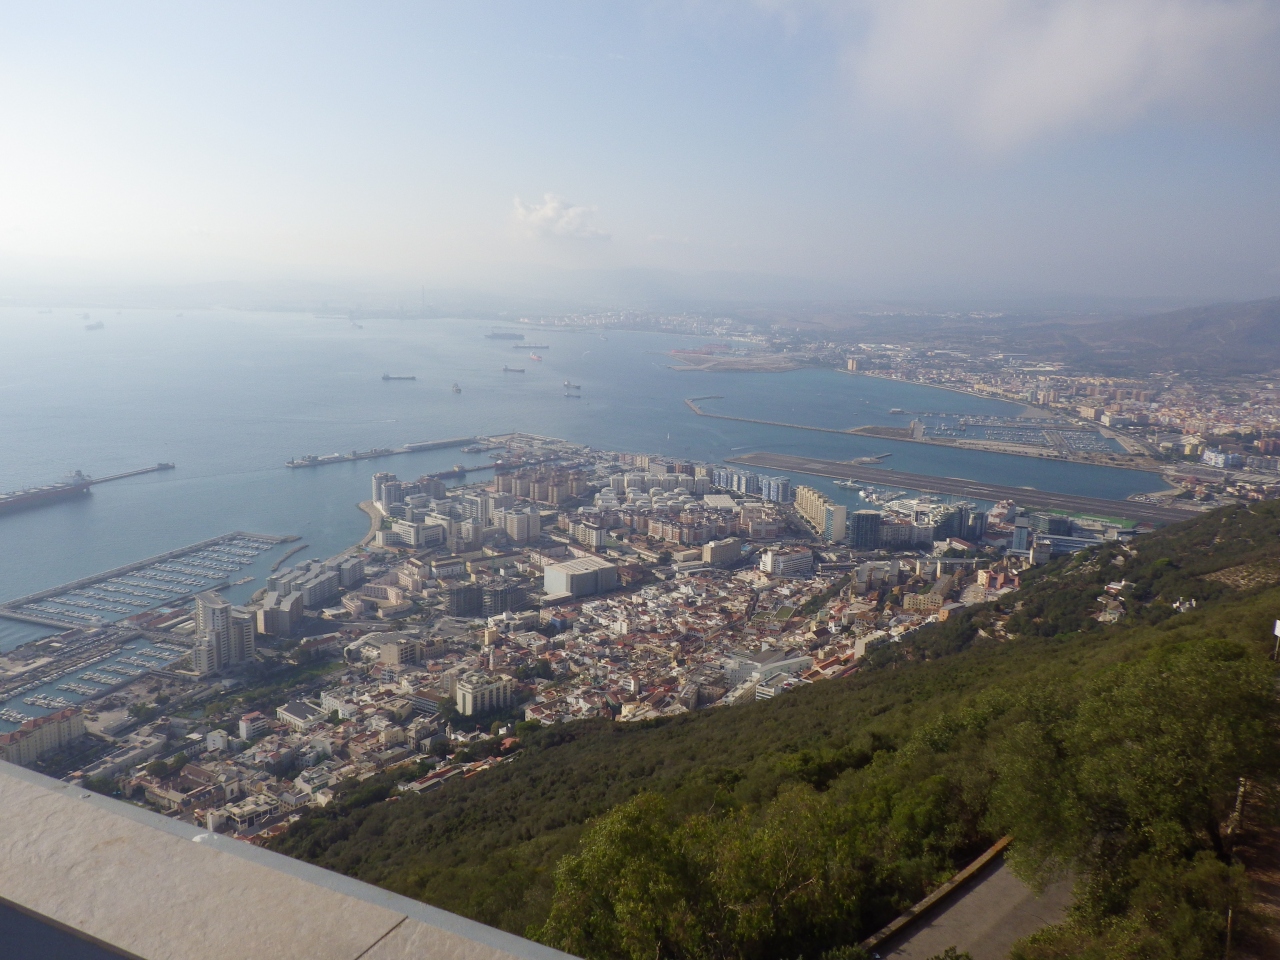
{"x":534,"y":356}
{"x":532,"y":346}
{"x":77,"y":486}
{"x":501,"y":335}
{"x":506,"y":369}
{"x":387,"y":376}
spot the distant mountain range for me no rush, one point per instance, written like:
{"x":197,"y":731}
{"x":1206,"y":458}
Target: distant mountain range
{"x":1221,"y":338}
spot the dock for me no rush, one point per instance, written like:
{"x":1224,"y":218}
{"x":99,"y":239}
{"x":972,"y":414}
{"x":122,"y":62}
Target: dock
{"x":311,"y":460}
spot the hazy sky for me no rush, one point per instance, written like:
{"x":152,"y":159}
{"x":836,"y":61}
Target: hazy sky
{"x":877,"y":147}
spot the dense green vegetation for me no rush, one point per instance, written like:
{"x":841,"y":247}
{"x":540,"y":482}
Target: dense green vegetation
{"x":796,"y":826}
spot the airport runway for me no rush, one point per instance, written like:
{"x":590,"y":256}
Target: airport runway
{"x":1026,"y":496}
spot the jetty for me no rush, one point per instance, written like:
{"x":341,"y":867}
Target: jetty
{"x":311,"y":460}
{"x":131,"y":473}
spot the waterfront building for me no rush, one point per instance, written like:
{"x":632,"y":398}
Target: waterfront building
{"x":776,"y":489}
{"x":478,"y":693}
{"x":416,"y":535}
{"x":378,"y":480}
{"x":226,"y":635}
{"x":824,"y":515}
{"x":40,"y":736}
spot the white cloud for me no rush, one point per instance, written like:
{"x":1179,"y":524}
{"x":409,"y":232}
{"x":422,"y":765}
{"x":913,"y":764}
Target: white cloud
{"x":555,"y":218}
{"x":1003,"y":73}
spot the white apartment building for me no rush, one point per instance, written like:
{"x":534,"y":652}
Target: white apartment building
{"x":479,"y":693}
{"x":226,"y":635}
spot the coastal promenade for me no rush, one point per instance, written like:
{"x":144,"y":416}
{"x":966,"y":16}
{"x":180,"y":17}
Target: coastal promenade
{"x":953,"y":486}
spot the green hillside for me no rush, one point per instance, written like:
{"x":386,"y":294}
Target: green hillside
{"x":795,"y":826}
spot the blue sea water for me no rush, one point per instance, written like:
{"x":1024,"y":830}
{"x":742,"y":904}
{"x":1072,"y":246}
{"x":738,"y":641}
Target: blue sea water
{"x":229,"y":396}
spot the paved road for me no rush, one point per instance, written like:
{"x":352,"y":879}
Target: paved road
{"x":1129,"y":509}
{"x":985,"y":919}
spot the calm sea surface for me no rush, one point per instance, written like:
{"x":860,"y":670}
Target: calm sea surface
{"x":229,"y":396}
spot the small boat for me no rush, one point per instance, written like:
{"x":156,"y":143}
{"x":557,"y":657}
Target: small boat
{"x":506,"y":369}
{"x":96,"y":325}
{"x":534,"y":356}
{"x":456,"y":388}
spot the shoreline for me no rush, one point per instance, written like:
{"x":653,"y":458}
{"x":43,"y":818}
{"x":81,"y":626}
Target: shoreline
{"x":375,"y":524}
{"x":859,"y":432}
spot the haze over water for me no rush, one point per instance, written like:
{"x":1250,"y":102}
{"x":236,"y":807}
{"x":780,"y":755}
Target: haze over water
{"x":229,"y":396}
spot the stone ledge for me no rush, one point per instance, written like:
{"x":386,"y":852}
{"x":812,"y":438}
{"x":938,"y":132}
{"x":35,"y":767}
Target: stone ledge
{"x":134,"y":880}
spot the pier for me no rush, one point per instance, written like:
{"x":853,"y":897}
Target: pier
{"x":969,"y":489}
{"x":131,"y":473}
{"x":311,"y":460}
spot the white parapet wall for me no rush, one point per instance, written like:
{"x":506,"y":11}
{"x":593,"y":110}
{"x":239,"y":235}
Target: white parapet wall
{"x":150,"y":887}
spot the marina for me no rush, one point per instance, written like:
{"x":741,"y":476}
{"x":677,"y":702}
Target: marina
{"x":126,"y":591}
